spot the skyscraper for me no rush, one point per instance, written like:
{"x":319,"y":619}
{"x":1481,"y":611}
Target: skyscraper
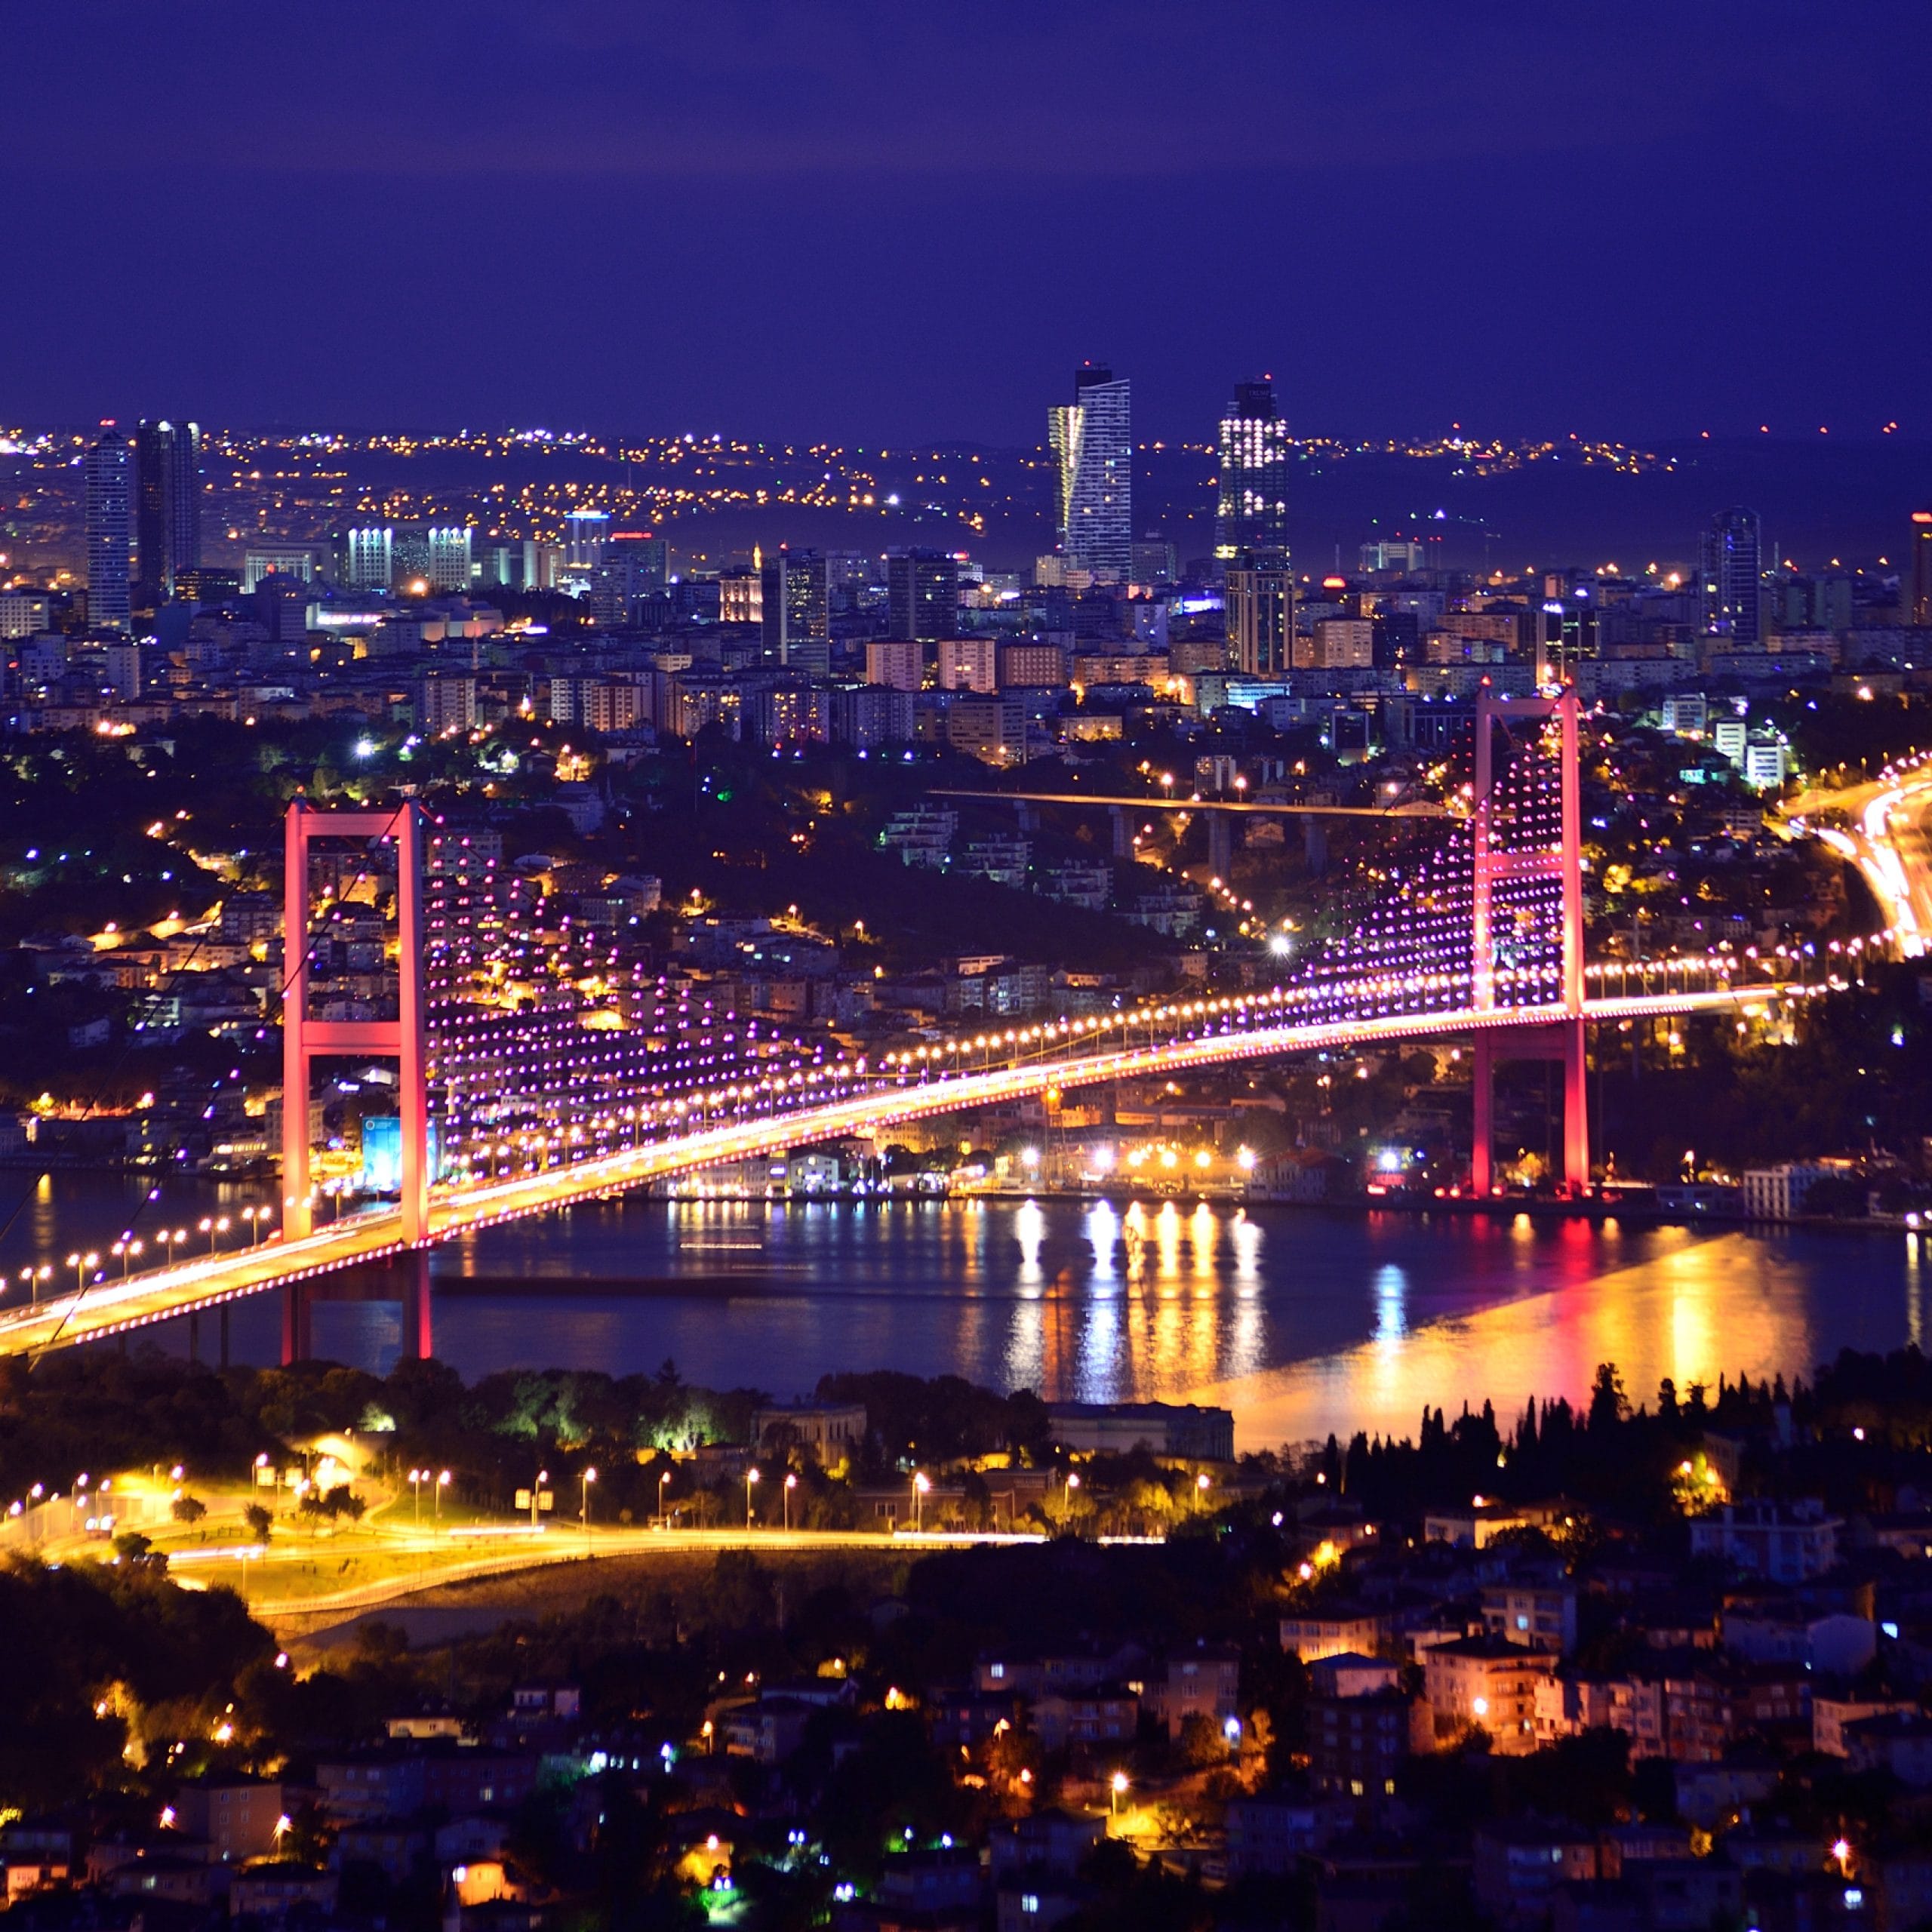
{"x":1260,"y":609}
{"x":1730,"y":579}
{"x":1916,"y":578}
{"x":1252,"y":512}
{"x":107,"y":476}
{"x":167,"y":504}
{"x":922,"y":594}
{"x":796,"y":613}
{"x":1092,"y":440}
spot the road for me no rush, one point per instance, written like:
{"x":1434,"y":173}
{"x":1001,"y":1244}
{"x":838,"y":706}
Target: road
{"x":109,"y":1307}
{"x":1882,"y":828}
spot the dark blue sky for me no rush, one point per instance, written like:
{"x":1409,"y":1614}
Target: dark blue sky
{"x":878,"y":221}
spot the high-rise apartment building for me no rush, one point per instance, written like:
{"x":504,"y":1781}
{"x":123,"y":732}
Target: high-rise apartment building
{"x":1730,"y":578}
{"x":1916,"y":578}
{"x":1092,"y":441}
{"x":1253,"y":511}
{"x":922,"y":594}
{"x":167,"y":504}
{"x":898,"y":663}
{"x":108,"y":481}
{"x":795,"y":613}
{"x":1259,"y":604}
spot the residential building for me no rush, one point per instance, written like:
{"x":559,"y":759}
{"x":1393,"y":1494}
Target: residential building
{"x":1783,"y":1543}
{"x":1356,"y":1745}
{"x":992,"y":730}
{"x":899,"y":664}
{"x":967,"y":664}
{"x":1343,"y":644}
{"x":1536,"y":1616}
{"x":1487,"y":1682}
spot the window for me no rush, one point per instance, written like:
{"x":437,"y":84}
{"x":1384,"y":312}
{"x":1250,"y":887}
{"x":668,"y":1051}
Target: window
{"x":1029,"y":1903}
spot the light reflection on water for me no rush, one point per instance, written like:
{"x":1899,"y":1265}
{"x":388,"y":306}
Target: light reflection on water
{"x":1300,"y":1321}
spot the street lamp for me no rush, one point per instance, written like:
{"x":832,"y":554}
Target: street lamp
{"x":206,"y":1225}
{"x":664,"y":1477}
{"x":791,"y":1484}
{"x":589,"y":1476}
{"x":81,"y":1264}
{"x":921,"y":1482}
{"x":536,"y":1495}
{"x":442,"y":1483}
{"x":417,"y":1479}
{"x":1118,"y":1784}
{"x":751,"y":1477}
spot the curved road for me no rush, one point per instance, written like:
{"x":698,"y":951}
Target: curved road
{"x":1886,"y":832}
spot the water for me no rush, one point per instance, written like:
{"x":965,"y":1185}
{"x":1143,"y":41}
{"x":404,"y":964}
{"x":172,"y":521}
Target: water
{"x":1301,"y":1320}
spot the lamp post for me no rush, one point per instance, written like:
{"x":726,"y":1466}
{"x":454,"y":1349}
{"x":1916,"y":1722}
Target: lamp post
{"x":751,"y":1477}
{"x":663,"y":1516}
{"x":442,"y":1483}
{"x":791,"y":1484}
{"x":536,"y":1496}
{"x":921,"y":1482}
{"x":1118,"y":1786}
{"x":589,"y":1476}
{"x":416,"y":1481}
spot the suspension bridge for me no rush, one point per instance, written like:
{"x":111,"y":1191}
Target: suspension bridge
{"x":512,"y":1102}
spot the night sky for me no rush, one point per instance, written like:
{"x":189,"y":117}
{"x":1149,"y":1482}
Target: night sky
{"x":1631,"y":218}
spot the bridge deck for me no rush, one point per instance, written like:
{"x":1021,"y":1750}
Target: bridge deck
{"x":111,"y":1308}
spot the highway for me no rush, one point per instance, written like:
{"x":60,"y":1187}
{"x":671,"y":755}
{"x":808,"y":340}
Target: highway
{"x":108,"y":1308}
{"x":1881,"y":828}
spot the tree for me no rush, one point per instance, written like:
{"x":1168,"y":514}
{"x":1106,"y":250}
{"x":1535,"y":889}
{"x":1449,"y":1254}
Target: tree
{"x":260,"y":1522}
{"x":188,"y":1509}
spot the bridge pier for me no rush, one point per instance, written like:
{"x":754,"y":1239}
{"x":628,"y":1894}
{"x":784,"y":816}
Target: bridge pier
{"x":418,"y":1342}
{"x":1561,"y":1040}
{"x":1315,"y":845}
{"x":1123,"y":832}
{"x":1221,"y":844}
{"x":298,"y":1340}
